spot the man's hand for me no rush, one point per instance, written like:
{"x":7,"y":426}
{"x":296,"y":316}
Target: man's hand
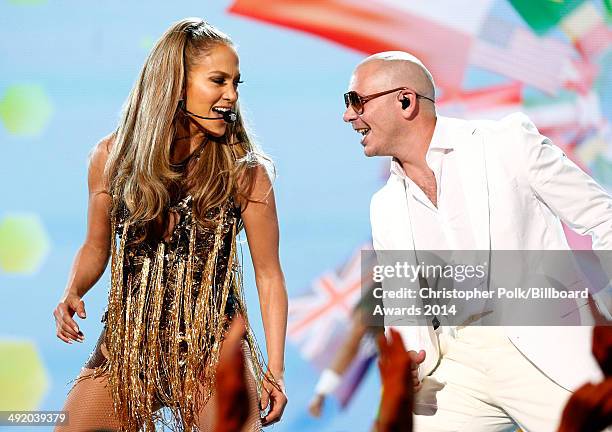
{"x":417,"y":359}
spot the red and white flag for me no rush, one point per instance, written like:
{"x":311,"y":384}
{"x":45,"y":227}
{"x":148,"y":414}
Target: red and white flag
{"x":440,"y":33}
{"x":319,"y":319}
{"x":492,"y":102}
{"x":516,"y":52}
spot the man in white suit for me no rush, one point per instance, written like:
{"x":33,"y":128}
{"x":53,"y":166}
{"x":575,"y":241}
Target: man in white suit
{"x":476,"y":185}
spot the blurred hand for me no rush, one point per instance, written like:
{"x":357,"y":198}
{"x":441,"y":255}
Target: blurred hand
{"x":233,"y":401}
{"x":395,"y":361}
{"x":589,"y":409}
{"x":602,"y":348}
{"x":316,"y":405}
{"x":66,"y":328}
{"x":399,"y":375}
{"x":274,"y":399}
{"x":602,"y":340}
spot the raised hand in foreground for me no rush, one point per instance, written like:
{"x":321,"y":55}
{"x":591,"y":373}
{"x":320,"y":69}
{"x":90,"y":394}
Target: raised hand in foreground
{"x":398,"y":371}
{"x":590,"y":407}
{"x":233,"y":404}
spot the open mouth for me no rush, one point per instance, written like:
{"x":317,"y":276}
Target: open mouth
{"x":363,"y":131}
{"x":221,"y":110}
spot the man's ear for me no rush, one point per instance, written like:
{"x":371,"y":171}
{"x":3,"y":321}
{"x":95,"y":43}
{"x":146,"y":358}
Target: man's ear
{"x":407,"y":101}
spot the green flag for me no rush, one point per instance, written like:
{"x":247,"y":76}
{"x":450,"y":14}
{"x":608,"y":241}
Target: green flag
{"x":608,"y":5}
{"x":542,"y":15}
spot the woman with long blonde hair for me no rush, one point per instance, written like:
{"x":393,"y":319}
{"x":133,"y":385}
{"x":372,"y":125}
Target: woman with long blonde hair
{"x":169,"y":191}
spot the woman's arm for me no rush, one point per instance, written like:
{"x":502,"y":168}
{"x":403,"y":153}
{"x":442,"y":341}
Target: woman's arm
{"x":92,"y":257}
{"x":261,"y":226}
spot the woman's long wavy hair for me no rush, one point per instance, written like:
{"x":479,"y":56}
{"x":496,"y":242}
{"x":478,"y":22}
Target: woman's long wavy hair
{"x":139,"y":168}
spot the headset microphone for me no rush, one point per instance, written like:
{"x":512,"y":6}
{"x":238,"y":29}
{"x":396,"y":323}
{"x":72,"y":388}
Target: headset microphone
{"x":227,"y":116}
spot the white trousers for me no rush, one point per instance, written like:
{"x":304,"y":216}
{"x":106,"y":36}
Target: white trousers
{"x":487,"y":385}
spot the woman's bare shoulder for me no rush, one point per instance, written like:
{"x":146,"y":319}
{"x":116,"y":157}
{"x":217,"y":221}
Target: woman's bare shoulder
{"x":255,"y":185}
{"x":98,"y":158}
{"x":102,"y":149}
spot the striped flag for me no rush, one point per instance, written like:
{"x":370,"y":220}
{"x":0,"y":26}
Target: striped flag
{"x":440,"y":33}
{"x":489,"y":102}
{"x":517,"y":53}
{"x":447,"y":35}
{"x":319,"y":319}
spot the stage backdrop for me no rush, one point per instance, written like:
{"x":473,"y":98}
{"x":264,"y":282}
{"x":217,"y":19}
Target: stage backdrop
{"x":66,"y":68}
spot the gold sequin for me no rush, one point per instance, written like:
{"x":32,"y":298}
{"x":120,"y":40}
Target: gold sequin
{"x":169,"y":307}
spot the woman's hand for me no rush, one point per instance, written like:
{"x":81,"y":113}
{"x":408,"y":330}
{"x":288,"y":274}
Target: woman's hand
{"x":261,"y":226}
{"x":67,"y":328}
{"x":273,"y":397}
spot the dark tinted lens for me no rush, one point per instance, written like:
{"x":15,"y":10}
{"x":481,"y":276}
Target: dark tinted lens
{"x":352,"y":98}
{"x":347,"y":100}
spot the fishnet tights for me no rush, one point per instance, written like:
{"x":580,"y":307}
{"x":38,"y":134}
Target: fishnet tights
{"x":90,"y":406}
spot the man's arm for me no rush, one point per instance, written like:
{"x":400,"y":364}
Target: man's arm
{"x":567,"y":190}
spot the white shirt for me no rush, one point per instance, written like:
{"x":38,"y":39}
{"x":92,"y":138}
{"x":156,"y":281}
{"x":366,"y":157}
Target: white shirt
{"x":447,"y":227}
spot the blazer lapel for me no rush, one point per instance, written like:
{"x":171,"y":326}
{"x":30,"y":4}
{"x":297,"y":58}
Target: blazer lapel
{"x":472,"y":167}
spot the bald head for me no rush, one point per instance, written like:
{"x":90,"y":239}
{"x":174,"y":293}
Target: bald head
{"x":401,"y":69}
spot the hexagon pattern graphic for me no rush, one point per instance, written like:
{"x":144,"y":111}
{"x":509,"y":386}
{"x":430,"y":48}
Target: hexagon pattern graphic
{"x":25,"y":109}
{"x":23,"y":378}
{"x":24,"y":243}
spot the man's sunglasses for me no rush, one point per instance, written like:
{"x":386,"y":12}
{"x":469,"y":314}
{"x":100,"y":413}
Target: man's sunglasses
{"x":355,"y":100}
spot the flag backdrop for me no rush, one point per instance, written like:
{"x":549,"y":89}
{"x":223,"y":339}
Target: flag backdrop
{"x":68,"y":67}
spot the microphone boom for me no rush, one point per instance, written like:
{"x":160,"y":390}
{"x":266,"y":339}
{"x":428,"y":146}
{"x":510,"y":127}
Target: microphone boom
{"x":228,"y":116}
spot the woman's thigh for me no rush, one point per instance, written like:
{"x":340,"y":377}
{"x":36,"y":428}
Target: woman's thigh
{"x":89,"y":405}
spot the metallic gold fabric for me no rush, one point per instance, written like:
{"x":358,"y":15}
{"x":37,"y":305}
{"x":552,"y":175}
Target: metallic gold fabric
{"x":169,"y":307}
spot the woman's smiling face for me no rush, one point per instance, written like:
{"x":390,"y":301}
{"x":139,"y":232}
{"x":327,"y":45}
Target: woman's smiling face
{"x":212,"y":87}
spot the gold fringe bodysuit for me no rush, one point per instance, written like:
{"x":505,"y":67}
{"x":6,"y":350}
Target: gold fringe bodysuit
{"x":170,"y":303}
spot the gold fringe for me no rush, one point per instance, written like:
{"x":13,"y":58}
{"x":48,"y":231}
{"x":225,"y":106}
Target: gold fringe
{"x":171,"y":363}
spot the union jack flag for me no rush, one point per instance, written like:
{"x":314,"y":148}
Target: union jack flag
{"x":319,"y":319}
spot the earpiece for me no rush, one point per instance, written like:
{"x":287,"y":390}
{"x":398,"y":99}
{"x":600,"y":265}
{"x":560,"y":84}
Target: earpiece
{"x":405,"y":102}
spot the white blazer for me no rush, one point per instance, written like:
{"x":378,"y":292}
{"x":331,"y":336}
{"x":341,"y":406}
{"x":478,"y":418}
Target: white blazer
{"x":518,"y":186}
